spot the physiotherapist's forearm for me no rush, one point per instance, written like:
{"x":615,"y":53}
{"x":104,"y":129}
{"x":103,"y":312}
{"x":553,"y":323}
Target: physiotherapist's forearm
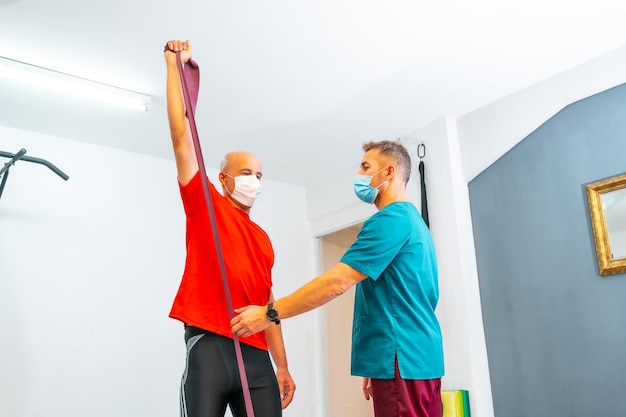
{"x":319,"y":291}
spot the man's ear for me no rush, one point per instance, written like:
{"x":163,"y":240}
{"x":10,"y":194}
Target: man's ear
{"x":222,"y":178}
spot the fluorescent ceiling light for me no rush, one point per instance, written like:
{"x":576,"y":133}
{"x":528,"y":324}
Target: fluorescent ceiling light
{"x":70,"y":84}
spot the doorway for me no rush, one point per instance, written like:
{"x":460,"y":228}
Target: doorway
{"x":344,"y":394}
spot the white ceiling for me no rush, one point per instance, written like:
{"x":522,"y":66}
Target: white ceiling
{"x":300,"y":83}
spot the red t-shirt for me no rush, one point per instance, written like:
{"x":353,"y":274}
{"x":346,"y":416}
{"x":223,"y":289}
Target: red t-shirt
{"x":248,"y":256}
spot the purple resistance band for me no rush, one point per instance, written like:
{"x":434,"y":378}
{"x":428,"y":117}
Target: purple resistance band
{"x":190,"y":81}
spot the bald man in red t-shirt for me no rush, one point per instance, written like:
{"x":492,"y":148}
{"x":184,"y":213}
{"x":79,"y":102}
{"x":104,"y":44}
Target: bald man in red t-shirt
{"x":211,"y":380}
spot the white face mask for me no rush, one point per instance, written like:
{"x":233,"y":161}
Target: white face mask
{"x":247,"y":188}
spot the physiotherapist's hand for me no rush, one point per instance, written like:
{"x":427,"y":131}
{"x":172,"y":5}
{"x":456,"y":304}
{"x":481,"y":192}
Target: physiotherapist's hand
{"x":367,"y":388}
{"x":249,"y":320}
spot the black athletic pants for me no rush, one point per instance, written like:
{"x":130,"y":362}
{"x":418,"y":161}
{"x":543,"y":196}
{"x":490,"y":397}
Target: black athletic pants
{"x":211,"y":378}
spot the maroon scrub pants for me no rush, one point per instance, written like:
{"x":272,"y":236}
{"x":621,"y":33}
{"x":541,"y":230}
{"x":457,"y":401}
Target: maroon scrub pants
{"x":406,"y":397}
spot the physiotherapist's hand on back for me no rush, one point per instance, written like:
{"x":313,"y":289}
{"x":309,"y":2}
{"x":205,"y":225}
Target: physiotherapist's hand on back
{"x":249,"y":320}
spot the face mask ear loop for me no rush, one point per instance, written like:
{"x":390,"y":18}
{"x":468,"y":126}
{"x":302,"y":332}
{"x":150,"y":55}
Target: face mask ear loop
{"x":225,"y":187}
{"x":379,"y":173}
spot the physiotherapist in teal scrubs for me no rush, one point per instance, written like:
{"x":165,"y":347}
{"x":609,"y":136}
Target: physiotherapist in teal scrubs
{"x":396,"y":338}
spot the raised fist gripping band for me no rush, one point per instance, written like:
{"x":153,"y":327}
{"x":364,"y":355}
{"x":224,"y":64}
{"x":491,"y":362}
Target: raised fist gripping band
{"x":190,"y":81}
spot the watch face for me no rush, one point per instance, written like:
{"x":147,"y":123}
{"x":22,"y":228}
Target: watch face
{"x":272,"y":314}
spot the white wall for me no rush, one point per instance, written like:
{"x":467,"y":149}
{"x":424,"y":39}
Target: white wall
{"x":459,"y":309}
{"x":489,"y":132}
{"x":88,"y":271}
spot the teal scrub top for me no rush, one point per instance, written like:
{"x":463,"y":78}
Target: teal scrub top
{"x":394,"y":307}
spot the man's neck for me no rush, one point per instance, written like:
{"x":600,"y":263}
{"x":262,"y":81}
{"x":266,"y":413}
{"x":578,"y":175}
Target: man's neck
{"x":390,"y":196}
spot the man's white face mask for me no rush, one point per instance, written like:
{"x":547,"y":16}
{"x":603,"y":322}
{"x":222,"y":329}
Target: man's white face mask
{"x":247,"y":189}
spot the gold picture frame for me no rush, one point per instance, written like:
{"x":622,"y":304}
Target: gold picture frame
{"x":597,"y":197}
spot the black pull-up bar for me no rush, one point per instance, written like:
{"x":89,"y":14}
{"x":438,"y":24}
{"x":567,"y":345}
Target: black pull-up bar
{"x":20,"y":156}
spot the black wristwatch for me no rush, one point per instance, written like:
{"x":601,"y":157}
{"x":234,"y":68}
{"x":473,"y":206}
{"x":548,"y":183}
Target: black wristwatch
{"x":272,"y":314}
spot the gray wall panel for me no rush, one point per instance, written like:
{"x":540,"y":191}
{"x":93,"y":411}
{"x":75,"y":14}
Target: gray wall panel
{"x":555,"y":329}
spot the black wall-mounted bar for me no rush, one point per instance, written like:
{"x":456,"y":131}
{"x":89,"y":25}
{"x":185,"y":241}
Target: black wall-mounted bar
{"x":20,"y":156}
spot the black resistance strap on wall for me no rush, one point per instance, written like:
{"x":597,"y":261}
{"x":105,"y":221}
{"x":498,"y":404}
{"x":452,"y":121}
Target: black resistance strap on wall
{"x":421,"y":153}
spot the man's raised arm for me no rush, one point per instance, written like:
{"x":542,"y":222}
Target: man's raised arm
{"x":184,"y":152}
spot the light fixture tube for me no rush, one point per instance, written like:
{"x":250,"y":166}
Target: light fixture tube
{"x":70,"y":84}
